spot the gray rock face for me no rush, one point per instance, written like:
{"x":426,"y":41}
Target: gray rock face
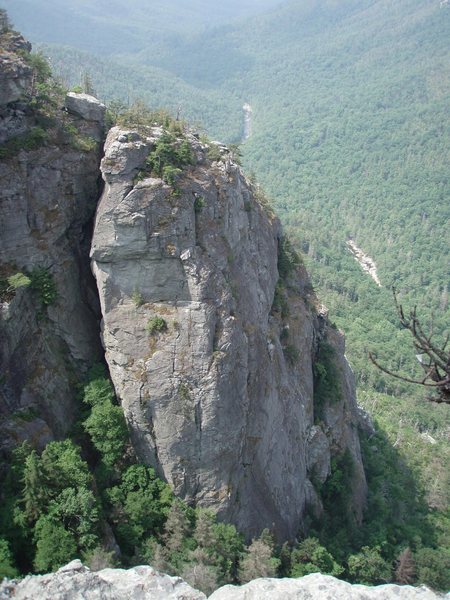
{"x":319,"y":587}
{"x":216,"y":400}
{"x":47,"y":201}
{"x":74,"y":582}
{"x":85,"y":106}
{"x":15,"y":74}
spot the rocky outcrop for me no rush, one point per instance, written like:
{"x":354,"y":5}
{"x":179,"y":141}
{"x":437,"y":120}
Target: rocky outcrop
{"x":216,"y":380}
{"x":319,"y":587}
{"x":75,"y":581}
{"x":85,"y":106}
{"x":15,"y":73}
{"x":49,"y":186}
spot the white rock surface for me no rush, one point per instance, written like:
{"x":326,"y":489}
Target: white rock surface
{"x":319,"y":587}
{"x":85,"y":106}
{"x":77,"y":582}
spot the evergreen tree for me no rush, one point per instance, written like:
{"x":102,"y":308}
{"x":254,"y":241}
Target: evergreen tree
{"x":176,"y":528}
{"x":258,"y":562}
{"x":369,"y":567}
{"x":5,"y":24}
{"x":36,"y":491}
{"x":55,"y":546}
{"x":7,"y":568}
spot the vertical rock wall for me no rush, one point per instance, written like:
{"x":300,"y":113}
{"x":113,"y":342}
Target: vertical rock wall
{"x":48,"y":197}
{"x":216,"y":383}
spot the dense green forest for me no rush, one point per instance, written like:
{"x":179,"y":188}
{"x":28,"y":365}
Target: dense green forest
{"x":350,"y":138}
{"x":67,"y":501}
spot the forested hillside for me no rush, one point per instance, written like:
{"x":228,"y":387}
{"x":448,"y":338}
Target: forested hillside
{"x":350,"y":138}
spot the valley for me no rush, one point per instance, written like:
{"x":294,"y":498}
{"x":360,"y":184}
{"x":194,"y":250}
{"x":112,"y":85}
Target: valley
{"x":340,"y":114}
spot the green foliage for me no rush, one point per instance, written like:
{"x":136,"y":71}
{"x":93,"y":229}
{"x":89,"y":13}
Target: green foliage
{"x":280,"y":301}
{"x":336,"y":527}
{"x":43,"y":283}
{"x":236,"y":153}
{"x":138,"y":505}
{"x":228,"y":547}
{"x":82,"y":143}
{"x":108,"y":431}
{"x":99,"y":558}
{"x":214,"y":153}
{"x":310,"y":557}
{"x":170,"y":174}
{"x":327,"y":384}
{"x":5,"y":24}
{"x":288,"y":258}
{"x":60,"y":466}
{"x":199,"y":204}
{"x":405,"y":462}
{"x":369,"y":567}
{"x":18,"y":280}
{"x":98,"y":391}
{"x":39,"y":64}
{"x":7,"y":568}
{"x":168,"y":157}
{"x":32,"y":140}
{"x":137,"y":298}
{"x":49,"y":511}
{"x":156,"y":325}
{"x":46,"y":93}
{"x":140,"y":116}
{"x":55,"y":546}
{"x":433,"y":567}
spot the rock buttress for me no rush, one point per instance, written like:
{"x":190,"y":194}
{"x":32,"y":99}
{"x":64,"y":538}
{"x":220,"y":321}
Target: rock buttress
{"x":49,"y":187}
{"x":215,"y":397}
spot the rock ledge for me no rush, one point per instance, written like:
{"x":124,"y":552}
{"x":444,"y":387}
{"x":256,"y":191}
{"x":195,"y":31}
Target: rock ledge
{"x":75,"y":581}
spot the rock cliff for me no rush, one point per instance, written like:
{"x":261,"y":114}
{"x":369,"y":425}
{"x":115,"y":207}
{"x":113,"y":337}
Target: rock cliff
{"x":144,"y":583}
{"x":211,"y":332}
{"x":213,"y":336}
{"x":49,"y":185}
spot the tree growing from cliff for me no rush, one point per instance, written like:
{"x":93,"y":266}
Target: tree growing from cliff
{"x":433,"y":358}
{"x":5,"y":24}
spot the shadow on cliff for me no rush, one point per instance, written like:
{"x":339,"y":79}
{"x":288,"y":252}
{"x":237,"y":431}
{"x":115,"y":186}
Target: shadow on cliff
{"x":396,"y":515}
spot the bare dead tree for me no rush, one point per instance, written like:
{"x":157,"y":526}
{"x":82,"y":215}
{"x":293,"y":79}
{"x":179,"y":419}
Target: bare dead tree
{"x":434,"y":359}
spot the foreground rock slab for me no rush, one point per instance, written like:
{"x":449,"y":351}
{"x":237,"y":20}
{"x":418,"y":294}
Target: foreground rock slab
{"x":76,"y":582}
{"x":319,"y":587}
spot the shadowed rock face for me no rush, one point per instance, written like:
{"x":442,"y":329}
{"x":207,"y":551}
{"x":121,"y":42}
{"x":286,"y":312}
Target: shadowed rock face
{"x":212,"y":398}
{"x":47,"y":201}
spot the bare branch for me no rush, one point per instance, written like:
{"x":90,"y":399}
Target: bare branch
{"x":436,"y":363}
{"x":424,"y":382}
